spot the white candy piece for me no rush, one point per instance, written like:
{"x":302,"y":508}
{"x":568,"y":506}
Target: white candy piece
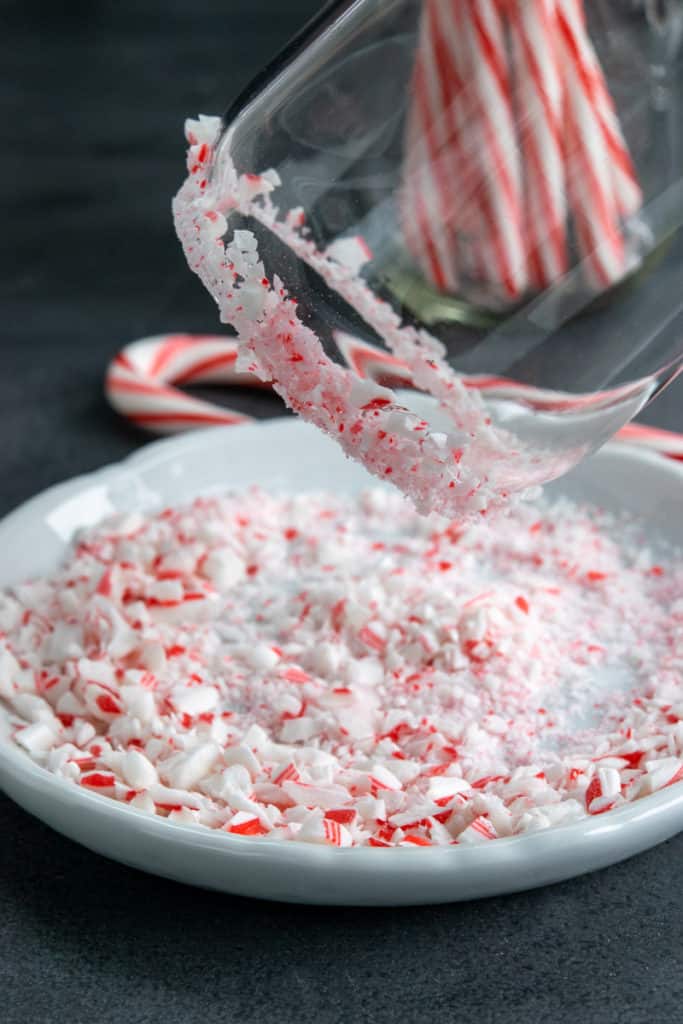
{"x":196,"y":700}
{"x":138,"y":770}
{"x":224,"y":568}
{"x":37,"y":738}
{"x":139,"y":703}
{"x":144,"y":803}
{"x":33,"y":708}
{"x":183,"y":771}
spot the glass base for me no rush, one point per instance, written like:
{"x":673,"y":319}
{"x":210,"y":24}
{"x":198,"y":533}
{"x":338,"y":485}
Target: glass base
{"x":430,"y":306}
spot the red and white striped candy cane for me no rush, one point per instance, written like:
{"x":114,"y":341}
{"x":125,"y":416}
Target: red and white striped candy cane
{"x":627,"y":190}
{"x":463,"y":178}
{"x":438,"y":201}
{"x":664,"y":442}
{"x":462,"y":109}
{"x":139,"y":382}
{"x":476,"y":37}
{"x":593,"y":197}
{"x":374,"y":363}
{"x":139,"y":385}
{"x":427,"y":197}
{"x":539,"y":95}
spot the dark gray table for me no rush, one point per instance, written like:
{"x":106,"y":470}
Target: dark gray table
{"x":92,"y":107}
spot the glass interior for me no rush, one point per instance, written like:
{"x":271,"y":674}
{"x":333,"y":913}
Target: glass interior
{"x":336,"y":117}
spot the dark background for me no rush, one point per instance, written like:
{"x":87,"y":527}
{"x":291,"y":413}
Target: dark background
{"x":93,"y":100}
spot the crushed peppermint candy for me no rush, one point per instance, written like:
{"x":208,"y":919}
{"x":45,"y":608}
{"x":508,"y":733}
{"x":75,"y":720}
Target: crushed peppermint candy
{"x":460,"y":470}
{"x":340,"y":670}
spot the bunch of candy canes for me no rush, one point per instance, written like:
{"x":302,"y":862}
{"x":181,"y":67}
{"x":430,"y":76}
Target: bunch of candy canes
{"x":514,"y":151}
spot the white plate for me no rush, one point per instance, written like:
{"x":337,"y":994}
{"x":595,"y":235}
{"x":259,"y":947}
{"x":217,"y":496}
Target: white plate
{"x":288,"y":455}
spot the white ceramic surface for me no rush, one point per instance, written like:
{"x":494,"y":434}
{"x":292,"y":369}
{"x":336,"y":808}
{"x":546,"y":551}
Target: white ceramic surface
{"x":287,"y":455}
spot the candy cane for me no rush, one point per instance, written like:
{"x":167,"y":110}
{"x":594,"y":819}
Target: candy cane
{"x":430,"y":175}
{"x":540,"y":96}
{"x":664,"y":442}
{"x":139,"y":381}
{"x":627,"y":190}
{"x":587,"y":159}
{"x":139,"y":385}
{"x":463,"y":186}
{"x":475,"y":34}
{"x":438,"y":203}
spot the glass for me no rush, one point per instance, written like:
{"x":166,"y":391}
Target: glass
{"x":513,"y":172}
